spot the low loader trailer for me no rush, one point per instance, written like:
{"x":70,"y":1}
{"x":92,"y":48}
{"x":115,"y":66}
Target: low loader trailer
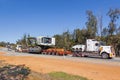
{"x":45,"y":45}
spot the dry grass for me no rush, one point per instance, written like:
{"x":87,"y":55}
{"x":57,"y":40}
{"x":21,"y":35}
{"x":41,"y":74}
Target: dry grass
{"x":38,"y":76}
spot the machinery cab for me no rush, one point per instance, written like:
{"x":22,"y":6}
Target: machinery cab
{"x":40,"y":43}
{"x":45,"y":41}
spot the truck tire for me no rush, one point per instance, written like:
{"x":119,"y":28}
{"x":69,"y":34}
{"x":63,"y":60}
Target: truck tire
{"x":105,"y":56}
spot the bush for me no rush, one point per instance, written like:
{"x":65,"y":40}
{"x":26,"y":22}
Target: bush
{"x":13,"y":72}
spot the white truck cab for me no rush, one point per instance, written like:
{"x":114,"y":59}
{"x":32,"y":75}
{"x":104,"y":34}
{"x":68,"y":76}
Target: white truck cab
{"x":19,"y":48}
{"x":94,"y":47}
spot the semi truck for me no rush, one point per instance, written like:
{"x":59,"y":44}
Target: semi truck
{"x":93,"y":48}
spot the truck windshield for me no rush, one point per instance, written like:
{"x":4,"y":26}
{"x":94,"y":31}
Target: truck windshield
{"x":46,"y":40}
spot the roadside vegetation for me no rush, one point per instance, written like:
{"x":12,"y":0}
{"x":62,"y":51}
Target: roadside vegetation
{"x":54,"y":76}
{"x":65,"y":76}
{"x":13,"y":72}
{"x":21,"y":72}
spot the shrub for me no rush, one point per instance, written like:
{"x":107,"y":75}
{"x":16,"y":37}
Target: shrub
{"x":14,"y":72}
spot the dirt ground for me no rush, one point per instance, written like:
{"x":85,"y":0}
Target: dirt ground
{"x":90,"y":70}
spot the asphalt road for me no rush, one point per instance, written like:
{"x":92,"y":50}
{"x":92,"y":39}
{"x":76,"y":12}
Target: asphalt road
{"x":115,"y":61}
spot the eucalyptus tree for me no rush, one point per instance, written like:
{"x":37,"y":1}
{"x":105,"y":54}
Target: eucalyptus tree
{"x":91,"y":24}
{"x":114,"y":16}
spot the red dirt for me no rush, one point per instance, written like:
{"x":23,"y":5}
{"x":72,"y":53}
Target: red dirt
{"x":86,"y":69}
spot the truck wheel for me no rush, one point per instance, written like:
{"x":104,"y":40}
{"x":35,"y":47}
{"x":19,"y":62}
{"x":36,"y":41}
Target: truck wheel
{"x":105,"y":56}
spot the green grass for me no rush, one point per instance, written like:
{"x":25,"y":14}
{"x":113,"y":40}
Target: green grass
{"x":54,"y":76}
{"x":65,"y":76}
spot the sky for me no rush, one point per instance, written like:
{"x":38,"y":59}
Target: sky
{"x":48,"y":17}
